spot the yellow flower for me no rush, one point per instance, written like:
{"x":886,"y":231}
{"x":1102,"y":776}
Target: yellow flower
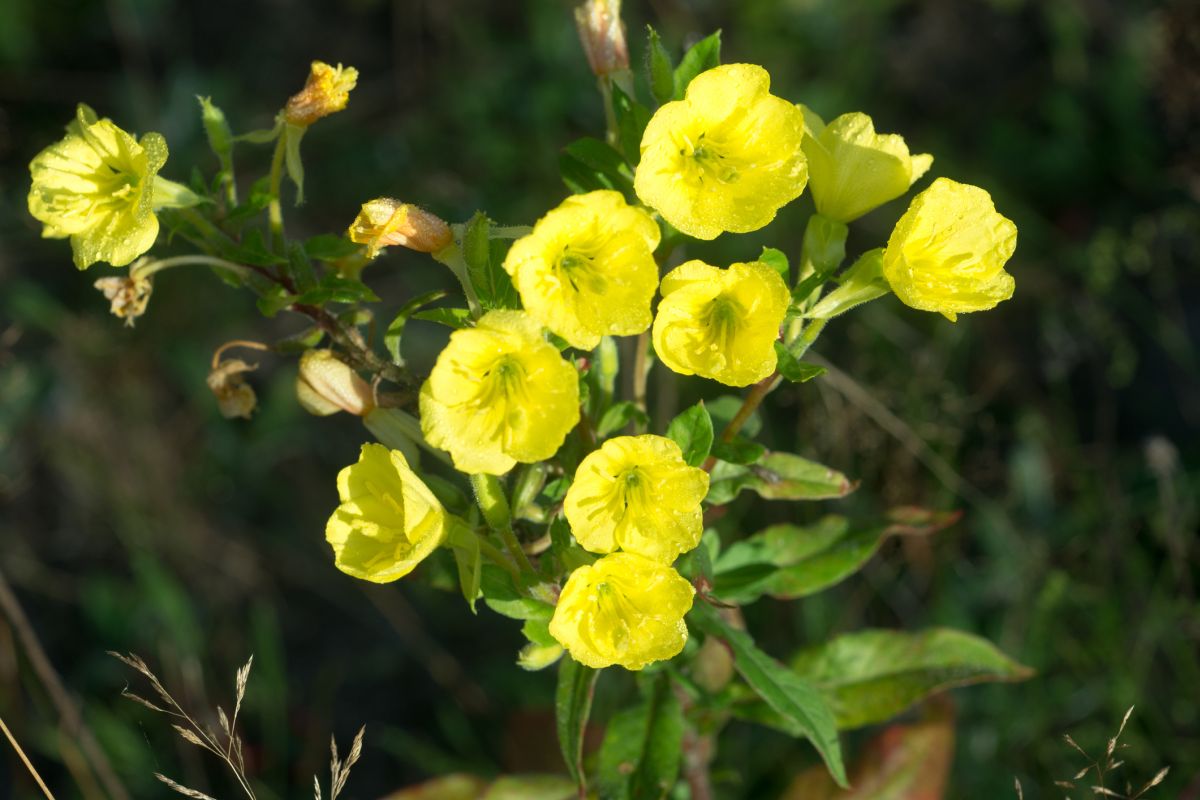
{"x":726,"y":157}
{"x":947,"y":253}
{"x":852,"y":169}
{"x":97,"y":187}
{"x":499,"y":394}
{"x":625,"y":609}
{"x":587,"y":269}
{"x":388,"y":520}
{"x":383,"y":222}
{"x":638,"y":494}
{"x":326,"y":92}
{"x":721,"y":323}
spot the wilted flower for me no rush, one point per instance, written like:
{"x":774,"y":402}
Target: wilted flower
{"x":97,"y":186}
{"x":388,"y":520}
{"x":235,"y":397}
{"x":725,"y":158}
{"x":127,"y":295}
{"x":326,"y":385}
{"x":947,"y":253}
{"x":384,"y":222}
{"x":498,"y":394}
{"x":721,"y":323}
{"x":637,"y":493}
{"x":587,"y":270}
{"x":326,"y":92}
{"x":852,"y":169}
{"x":625,"y":609}
{"x":603,"y":35}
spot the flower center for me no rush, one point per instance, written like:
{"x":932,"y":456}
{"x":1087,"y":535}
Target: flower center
{"x":579,"y":270}
{"x":708,"y":161}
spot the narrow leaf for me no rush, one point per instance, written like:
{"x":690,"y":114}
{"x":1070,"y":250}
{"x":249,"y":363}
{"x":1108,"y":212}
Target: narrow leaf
{"x":793,"y":369}
{"x":793,"y":699}
{"x":660,"y":72}
{"x":395,"y":330}
{"x":703,"y":55}
{"x":573,"y":705}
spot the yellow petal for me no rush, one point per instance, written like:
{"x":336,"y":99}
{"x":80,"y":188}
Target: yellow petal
{"x":725,"y":158}
{"x":721,"y":324}
{"x":853,"y":169}
{"x":388,"y":520}
{"x":587,"y":269}
{"x":625,"y":609}
{"x":499,"y":394}
{"x":637,"y":493}
{"x":947,"y":253}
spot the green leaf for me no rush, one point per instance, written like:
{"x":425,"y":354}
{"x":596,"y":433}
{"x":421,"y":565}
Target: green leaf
{"x":300,"y":268}
{"x":251,"y":250}
{"x":660,"y":72}
{"x":465,"y":544}
{"x":292,"y":134}
{"x":336,"y":289}
{"x":793,"y":699}
{"x":589,"y":164}
{"x":872,"y":675}
{"x":395,"y":329}
{"x":738,"y":451}
{"x":275,"y":299}
{"x":821,"y":254}
{"x":632,"y":119}
{"x":501,"y":595}
{"x":258,"y":199}
{"x":485,"y":272}
{"x":618,"y":416}
{"x":793,"y":369}
{"x":791,"y":561}
{"x":330,"y":247}
{"x":450,"y":317}
{"x":693,"y":432}
{"x":299,"y":342}
{"x":703,"y":55}
{"x":777,"y":476}
{"x":776,"y":260}
{"x":640,"y":755}
{"x":573,"y":705}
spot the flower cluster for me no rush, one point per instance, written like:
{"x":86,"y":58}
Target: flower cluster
{"x":721,"y":154}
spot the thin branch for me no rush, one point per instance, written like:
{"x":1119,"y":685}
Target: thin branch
{"x":25,"y":760}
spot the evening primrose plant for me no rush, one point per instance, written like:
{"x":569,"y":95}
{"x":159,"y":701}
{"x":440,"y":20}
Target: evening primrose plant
{"x":525,"y":463}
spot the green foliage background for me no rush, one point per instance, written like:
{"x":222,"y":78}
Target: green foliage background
{"x":1064,"y":423}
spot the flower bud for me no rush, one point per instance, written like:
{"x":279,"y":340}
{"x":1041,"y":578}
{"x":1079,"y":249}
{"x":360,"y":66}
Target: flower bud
{"x":603,"y":36}
{"x":127,"y":295}
{"x":326,"y":92}
{"x":235,"y":397}
{"x":383,"y":222}
{"x":326,"y":386}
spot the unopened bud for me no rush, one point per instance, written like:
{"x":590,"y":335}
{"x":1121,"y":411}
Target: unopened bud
{"x":127,"y":296}
{"x":326,"y":386}
{"x":326,"y":92}
{"x":603,"y":36}
{"x":383,"y":222}
{"x":235,"y":397}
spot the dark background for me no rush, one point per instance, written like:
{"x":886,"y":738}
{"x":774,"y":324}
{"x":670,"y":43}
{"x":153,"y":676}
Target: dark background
{"x":134,"y":518}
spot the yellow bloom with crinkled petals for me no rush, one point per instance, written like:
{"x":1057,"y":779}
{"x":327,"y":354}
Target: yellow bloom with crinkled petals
{"x":498,"y":394}
{"x":97,"y":187}
{"x":852,"y":169}
{"x":587,"y":269}
{"x":388,"y":520}
{"x":947,"y":253}
{"x":725,"y":158}
{"x":637,"y":493}
{"x":625,"y":609}
{"x":721,"y":323}
{"x":327,"y":91}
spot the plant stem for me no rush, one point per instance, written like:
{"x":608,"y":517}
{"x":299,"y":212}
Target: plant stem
{"x":25,"y":760}
{"x":641,"y":373}
{"x":178,"y":261}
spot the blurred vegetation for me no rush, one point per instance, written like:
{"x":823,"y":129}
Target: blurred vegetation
{"x":1064,"y":423}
